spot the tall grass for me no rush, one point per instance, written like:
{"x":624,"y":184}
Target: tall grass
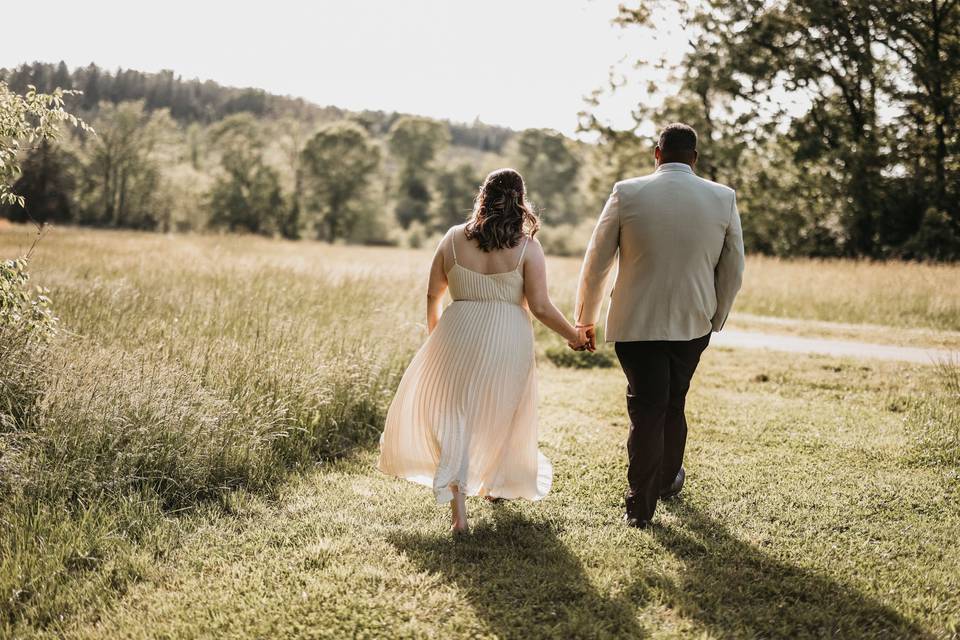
{"x":935,"y":422}
{"x":184,"y":370}
{"x":857,"y":291}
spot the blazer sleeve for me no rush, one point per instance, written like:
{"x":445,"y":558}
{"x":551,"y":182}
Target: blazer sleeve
{"x":728,"y":274}
{"x":598,"y":261}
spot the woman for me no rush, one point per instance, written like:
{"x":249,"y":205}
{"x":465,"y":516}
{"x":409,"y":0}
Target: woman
{"x":464,"y":420}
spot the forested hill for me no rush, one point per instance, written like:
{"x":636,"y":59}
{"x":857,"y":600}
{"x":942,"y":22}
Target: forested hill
{"x":171,"y":154}
{"x":206,"y":101}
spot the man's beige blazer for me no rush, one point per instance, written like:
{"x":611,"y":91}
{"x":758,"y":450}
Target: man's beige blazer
{"x":680,"y":260}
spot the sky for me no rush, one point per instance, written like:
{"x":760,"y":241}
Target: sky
{"x":519,"y":63}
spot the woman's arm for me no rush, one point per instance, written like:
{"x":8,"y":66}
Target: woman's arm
{"x":538,"y":300}
{"x":436,"y":287}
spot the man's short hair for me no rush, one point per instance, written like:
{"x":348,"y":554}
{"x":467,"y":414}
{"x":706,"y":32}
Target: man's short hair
{"x":677,"y":138}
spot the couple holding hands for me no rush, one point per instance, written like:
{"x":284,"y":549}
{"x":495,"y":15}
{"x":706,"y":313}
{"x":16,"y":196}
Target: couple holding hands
{"x":464,"y":418}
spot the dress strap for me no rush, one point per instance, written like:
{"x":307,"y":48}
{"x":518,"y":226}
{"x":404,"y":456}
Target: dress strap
{"x":453,"y":246}
{"x":522,"y":251}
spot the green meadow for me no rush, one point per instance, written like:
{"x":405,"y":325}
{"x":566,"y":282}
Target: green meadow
{"x":192,"y":456}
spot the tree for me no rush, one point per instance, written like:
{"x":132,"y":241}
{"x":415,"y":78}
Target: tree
{"x":47,"y":182}
{"x":246,"y":196}
{"x":91,"y":87}
{"x":338,"y":163}
{"x":415,"y":142}
{"x":292,"y":134}
{"x":852,"y":64}
{"x":550,"y":169}
{"x":617,"y":155}
{"x":924,"y":37}
{"x":121,"y":175}
{"x":61,"y":76}
{"x":456,"y":189}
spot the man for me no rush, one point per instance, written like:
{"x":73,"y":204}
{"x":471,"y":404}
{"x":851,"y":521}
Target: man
{"x":680,"y":266}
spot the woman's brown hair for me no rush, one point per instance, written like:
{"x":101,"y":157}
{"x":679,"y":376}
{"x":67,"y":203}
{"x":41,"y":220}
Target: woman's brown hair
{"x":501,"y":214}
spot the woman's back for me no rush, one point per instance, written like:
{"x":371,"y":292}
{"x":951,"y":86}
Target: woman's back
{"x":467,"y":253}
{"x":488,"y":276}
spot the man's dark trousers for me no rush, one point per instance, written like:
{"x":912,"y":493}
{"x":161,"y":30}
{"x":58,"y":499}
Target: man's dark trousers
{"x":658,"y":378}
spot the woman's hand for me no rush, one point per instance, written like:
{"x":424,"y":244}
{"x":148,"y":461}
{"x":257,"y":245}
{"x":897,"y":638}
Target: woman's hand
{"x":580,"y":342}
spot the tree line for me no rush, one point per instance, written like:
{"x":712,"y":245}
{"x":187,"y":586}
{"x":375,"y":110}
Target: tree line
{"x":205,"y":101}
{"x":869,"y":169}
{"x":179,"y":155}
{"x":868,"y":165}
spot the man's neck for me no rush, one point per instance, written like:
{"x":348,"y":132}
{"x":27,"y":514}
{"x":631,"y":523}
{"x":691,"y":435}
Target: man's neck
{"x":686,"y":166}
{"x":663,"y":162}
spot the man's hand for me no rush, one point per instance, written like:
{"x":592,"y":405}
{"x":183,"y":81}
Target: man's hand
{"x":589,"y":332}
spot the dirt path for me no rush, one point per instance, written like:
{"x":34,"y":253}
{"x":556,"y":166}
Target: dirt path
{"x":823,"y":346}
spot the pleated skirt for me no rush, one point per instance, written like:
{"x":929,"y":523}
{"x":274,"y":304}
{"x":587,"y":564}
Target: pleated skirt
{"x":465,"y":412}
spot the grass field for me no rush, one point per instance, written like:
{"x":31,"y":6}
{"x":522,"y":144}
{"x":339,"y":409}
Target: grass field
{"x":194,"y":459}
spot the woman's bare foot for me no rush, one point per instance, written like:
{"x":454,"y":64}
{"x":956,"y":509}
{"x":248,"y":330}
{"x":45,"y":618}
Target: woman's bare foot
{"x":459,"y":511}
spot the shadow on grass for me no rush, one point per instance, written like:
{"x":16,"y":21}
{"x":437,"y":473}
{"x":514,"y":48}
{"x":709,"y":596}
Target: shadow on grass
{"x":522,"y":581}
{"x":737,"y":590}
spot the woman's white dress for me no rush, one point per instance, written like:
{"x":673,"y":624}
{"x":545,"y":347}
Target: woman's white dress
{"x":465,"y":412}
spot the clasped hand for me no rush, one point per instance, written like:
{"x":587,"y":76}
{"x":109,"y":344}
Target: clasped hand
{"x":586,"y":339}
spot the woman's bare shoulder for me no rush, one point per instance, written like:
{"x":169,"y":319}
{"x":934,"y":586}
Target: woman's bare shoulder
{"x":534,"y":245}
{"x":450,"y":233}
{"x":453,"y":231}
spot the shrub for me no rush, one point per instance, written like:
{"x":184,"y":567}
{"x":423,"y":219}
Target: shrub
{"x":24,"y":310}
{"x":602,"y":358}
{"x":27,"y":324}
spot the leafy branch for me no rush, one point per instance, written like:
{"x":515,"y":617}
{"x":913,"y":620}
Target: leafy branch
{"x":26,"y":119}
